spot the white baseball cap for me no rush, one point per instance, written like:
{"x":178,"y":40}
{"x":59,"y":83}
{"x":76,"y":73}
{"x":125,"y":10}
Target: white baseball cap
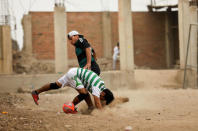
{"x":72,"y":33}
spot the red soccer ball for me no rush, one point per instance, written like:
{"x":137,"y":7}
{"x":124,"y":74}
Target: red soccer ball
{"x":69,"y":108}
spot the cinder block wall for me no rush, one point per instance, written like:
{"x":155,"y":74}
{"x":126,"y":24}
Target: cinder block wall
{"x":148,"y":29}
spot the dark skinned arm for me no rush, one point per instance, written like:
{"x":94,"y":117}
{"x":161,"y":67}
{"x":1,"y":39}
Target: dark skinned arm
{"x":97,"y":102}
{"x":88,"y":54}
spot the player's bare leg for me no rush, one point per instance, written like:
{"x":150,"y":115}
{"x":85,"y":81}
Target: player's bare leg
{"x":87,"y":100}
{"x":35,"y":93}
{"x":44,"y":88}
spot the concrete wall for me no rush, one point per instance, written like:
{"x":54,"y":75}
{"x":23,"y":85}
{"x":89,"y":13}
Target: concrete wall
{"x":5,"y":50}
{"x":187,"y":15}
{"x":148,"y":28}
{"x":149,"y":79}
{"x":145,"y":79}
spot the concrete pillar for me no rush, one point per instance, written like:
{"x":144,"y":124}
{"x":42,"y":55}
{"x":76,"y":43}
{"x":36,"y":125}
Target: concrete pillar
{"x":187,"y":15}
{"x":107,"y":44}
{"x":27,"y":28}
{"x":61,"y":58}
{"x":5,"y":50}
{"x":169,"y":45}
{"x":126,"y":35}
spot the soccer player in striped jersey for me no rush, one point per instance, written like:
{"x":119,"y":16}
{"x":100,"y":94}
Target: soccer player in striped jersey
{"x":84,"y":81}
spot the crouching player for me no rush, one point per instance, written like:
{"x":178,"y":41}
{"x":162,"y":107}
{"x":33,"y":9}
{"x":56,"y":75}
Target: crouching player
{"x":84,"y":81}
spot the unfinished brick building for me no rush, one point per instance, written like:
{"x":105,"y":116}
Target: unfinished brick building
{"x":149,"y":30}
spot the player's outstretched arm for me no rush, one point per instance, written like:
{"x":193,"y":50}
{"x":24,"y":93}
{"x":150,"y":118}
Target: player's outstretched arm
{"x":97,"y":102}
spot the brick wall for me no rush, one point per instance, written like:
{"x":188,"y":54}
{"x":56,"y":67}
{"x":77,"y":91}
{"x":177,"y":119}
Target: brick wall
{"x":148,"y":29}
{"x":43,"y":35}
{"x":90,"y":25}
{"x":149,"y":39}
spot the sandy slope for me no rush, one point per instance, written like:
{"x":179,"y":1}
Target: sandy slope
{"x":147,"y":110}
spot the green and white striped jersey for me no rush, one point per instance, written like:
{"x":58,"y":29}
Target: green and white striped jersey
{"x":82,"y":78}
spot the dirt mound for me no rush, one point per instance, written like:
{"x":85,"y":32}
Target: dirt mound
{"x":25,"y":63}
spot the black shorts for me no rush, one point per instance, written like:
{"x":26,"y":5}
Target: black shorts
{"x":95,"y":68}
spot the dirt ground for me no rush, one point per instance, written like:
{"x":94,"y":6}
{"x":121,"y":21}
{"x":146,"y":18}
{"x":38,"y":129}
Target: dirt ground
{"x":147,"y":110}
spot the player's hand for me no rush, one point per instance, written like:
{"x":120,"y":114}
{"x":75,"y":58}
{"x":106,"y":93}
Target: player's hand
{"x":87,"y":66}
{"x":75,"y":110}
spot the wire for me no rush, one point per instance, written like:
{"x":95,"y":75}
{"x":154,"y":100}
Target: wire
{"x":4,"y":13}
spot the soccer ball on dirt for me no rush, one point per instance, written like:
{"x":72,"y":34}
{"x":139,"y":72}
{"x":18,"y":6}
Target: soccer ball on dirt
{"x":69,"y":108}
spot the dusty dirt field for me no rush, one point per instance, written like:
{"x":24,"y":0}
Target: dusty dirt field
{"x":147,"y":110}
